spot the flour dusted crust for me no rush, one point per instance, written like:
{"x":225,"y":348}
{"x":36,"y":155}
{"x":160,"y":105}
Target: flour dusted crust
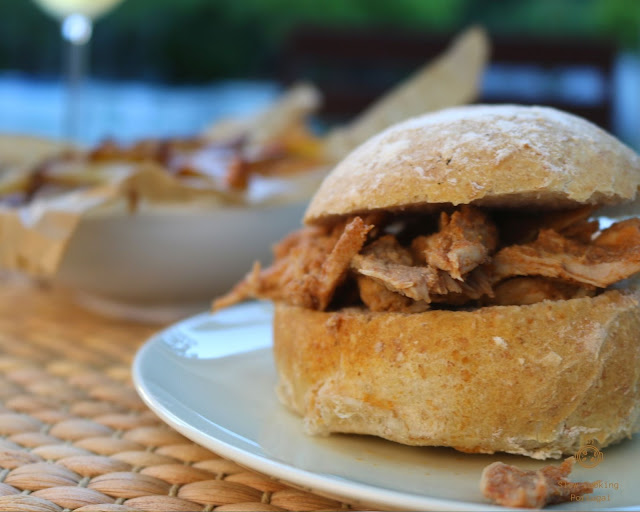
{"x":501,"y":156}
{"x":536,"y":380}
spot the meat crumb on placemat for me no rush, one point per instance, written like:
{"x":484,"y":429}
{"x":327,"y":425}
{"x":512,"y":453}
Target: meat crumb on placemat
{"x":511,"y":486}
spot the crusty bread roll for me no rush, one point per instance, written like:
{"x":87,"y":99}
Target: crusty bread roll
{"x":496,"y":156}
{"x":536,"y":380}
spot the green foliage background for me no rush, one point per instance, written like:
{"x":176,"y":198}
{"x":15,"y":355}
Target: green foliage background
{"x":201,"y":40}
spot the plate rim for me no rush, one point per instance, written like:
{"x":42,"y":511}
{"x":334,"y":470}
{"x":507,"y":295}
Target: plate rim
{"x":325,"y":485}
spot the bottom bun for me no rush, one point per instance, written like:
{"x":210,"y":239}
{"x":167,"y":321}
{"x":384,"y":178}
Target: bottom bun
{"x":537,"y":380}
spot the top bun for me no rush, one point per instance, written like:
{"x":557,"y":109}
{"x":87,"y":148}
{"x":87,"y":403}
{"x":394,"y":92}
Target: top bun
{"x":495,"y":156}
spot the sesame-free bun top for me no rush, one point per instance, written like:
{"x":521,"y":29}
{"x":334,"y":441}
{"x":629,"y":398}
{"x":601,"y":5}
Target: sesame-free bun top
{"x":494,"y":156}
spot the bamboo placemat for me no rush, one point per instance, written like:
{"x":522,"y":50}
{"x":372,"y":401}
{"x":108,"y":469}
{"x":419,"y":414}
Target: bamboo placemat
{"x":74,"y":435}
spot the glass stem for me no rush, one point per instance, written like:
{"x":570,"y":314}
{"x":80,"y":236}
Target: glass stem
{"x":76,"y":30}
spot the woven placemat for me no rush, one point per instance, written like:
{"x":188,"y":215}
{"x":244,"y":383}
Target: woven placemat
{"x":74,"y":435}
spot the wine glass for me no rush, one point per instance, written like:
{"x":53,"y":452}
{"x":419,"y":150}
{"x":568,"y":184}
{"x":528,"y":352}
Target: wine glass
{"x":76,"y":26}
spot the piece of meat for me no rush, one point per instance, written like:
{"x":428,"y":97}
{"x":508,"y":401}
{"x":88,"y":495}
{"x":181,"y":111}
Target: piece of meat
{"x":281,"y":281}
{"x":520,"y":291}
{"x":611,"y":257}
{"x":465,"y":240}
{"x":379,"y":298}
{"x":289,"y":279}
{"x":335,"y":267}
{"x":309,"y":265}
{"x":624,"y":234}
{"x":413,"y":282}
{"x":477,"y":284}
{"x":391,"y":265}
{"x":510,"y":486}
{"x":300,"y":237}
{"x":375,"y":295}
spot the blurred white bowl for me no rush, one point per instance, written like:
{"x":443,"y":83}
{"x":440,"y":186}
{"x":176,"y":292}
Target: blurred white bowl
{"x":162,"y":264}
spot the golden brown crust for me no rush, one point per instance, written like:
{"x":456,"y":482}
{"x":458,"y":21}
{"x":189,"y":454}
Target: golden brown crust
{"x":536,"y":380}
{"x":502,"y":156}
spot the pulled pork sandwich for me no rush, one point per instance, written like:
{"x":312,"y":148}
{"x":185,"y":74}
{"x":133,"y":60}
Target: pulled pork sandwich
{"x":453,"y":288}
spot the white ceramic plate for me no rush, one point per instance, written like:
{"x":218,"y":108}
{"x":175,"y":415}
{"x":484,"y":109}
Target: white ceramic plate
{"x":212,"y":378}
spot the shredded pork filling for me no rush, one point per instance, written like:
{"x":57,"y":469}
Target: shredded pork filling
{"x":511,"y":486}
{"x":468,"y":261}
